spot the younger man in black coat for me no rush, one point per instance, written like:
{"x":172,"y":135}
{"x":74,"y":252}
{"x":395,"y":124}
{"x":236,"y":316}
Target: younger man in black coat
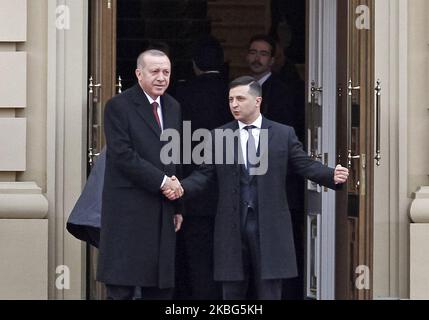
{"x":253,"y":237}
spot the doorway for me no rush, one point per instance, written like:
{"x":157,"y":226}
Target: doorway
{"x":121,"y":29}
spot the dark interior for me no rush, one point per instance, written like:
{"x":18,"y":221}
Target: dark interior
{"x":174,"y":25}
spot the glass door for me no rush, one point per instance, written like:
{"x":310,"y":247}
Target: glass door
{"x":102,"y":86}
{"x":355,"y":145}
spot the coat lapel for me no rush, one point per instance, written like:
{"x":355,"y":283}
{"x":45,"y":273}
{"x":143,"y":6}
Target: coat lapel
{"x":144,"y":110}
{"x":168,"y":120}
{"x":262,"y":147}
{"x":266,"y":89}
{"x":237,"y":144}
{"x":266,"y":125}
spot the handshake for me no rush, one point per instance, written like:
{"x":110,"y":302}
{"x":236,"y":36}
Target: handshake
{"x":172,"y":189}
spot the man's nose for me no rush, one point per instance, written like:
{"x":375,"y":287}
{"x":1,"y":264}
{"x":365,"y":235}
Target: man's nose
{"x":160,"y":77}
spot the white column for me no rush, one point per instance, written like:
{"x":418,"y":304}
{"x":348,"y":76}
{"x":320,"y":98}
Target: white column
{"x":66,"y":138}
{"x":23,"y":242}
{"x":419,"y":245}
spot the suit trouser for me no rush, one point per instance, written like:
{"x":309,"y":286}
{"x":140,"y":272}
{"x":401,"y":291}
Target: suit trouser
{"x":253,"y":287}
{"x":198,"y":237}
{"x":115,"y":292}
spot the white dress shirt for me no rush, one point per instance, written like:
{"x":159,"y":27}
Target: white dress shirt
{"x":158,"y":110}
{"x":244,"y":136}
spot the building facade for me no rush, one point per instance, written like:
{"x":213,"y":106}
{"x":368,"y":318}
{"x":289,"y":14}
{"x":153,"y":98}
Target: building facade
{"x":44,"y":58}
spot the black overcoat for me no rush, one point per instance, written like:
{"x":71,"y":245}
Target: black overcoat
{"x":278,"y":260}
{"x":137,"y":241}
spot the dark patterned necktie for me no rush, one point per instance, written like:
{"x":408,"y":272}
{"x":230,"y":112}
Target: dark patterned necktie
{"x":155,"y":113}
{"x":250,"y":149}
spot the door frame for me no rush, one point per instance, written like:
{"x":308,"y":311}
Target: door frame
{"x":102,"y":71}
{"x":321,"y":58}
{"x":354,"y":244}
{"x":67,"y":54}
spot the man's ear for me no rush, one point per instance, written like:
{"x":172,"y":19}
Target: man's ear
{"x":258,"y":101}
{"x":272,"y":61}
{"x":138,"y":73}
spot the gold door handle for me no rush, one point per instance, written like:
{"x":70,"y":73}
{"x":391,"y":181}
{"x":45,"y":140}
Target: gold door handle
{"x":378,"y":123}
{"x":119,"y":84}
{"x":92,"y":156}
{"x":92,"y":102}
{"x":314,"y":149}
{"x":91,"y":85}
{"x":314,"y":88}
{"x":350,"y":89}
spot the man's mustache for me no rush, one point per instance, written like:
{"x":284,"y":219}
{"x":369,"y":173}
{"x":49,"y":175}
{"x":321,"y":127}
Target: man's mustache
{"x":256,"y":64}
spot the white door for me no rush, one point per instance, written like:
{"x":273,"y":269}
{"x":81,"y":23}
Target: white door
{"x":321,"y":145}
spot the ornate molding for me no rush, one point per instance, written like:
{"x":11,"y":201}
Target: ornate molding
{"x":419,"y":211}
{"x":22,"y":200}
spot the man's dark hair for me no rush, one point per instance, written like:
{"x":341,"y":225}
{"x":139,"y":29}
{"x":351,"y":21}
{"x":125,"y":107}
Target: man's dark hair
{"x":255,"y":88}
{"x":265,"y":38}
{"x":207,"y":54}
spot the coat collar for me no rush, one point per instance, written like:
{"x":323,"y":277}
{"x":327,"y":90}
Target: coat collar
{"x":266,"y":124}
{"x":144,"y":109}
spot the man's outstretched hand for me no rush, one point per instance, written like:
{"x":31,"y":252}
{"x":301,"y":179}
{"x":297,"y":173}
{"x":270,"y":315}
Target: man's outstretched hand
{"x":340,"y":174}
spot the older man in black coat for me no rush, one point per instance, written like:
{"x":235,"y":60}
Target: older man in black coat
{"x":137,"y":242}
{"x":253,"y":237}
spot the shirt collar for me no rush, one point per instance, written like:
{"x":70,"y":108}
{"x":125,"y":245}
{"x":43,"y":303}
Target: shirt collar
{"x":264,"y":78}
{"x":158,"y":100}
{"x":257,"y":123}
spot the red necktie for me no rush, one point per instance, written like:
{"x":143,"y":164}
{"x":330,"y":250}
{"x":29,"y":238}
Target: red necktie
{"x":155,"y":113}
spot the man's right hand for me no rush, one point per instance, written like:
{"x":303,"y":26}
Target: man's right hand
{"x":172,"y":188}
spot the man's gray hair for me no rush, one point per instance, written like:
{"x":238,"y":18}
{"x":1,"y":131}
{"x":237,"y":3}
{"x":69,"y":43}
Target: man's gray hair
{"x":151,"y":52}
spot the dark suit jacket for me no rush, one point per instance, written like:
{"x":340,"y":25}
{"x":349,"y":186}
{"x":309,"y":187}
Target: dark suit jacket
{"x":204,"y":102}
{"x":276,"y":235}
{"x":278,"y":102}
{"x":137,"y":244}
{"x":282,"y":103}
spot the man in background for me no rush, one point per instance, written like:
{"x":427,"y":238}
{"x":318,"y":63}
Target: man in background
{"x":281,"y":103}
{"x":204,"y":102}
